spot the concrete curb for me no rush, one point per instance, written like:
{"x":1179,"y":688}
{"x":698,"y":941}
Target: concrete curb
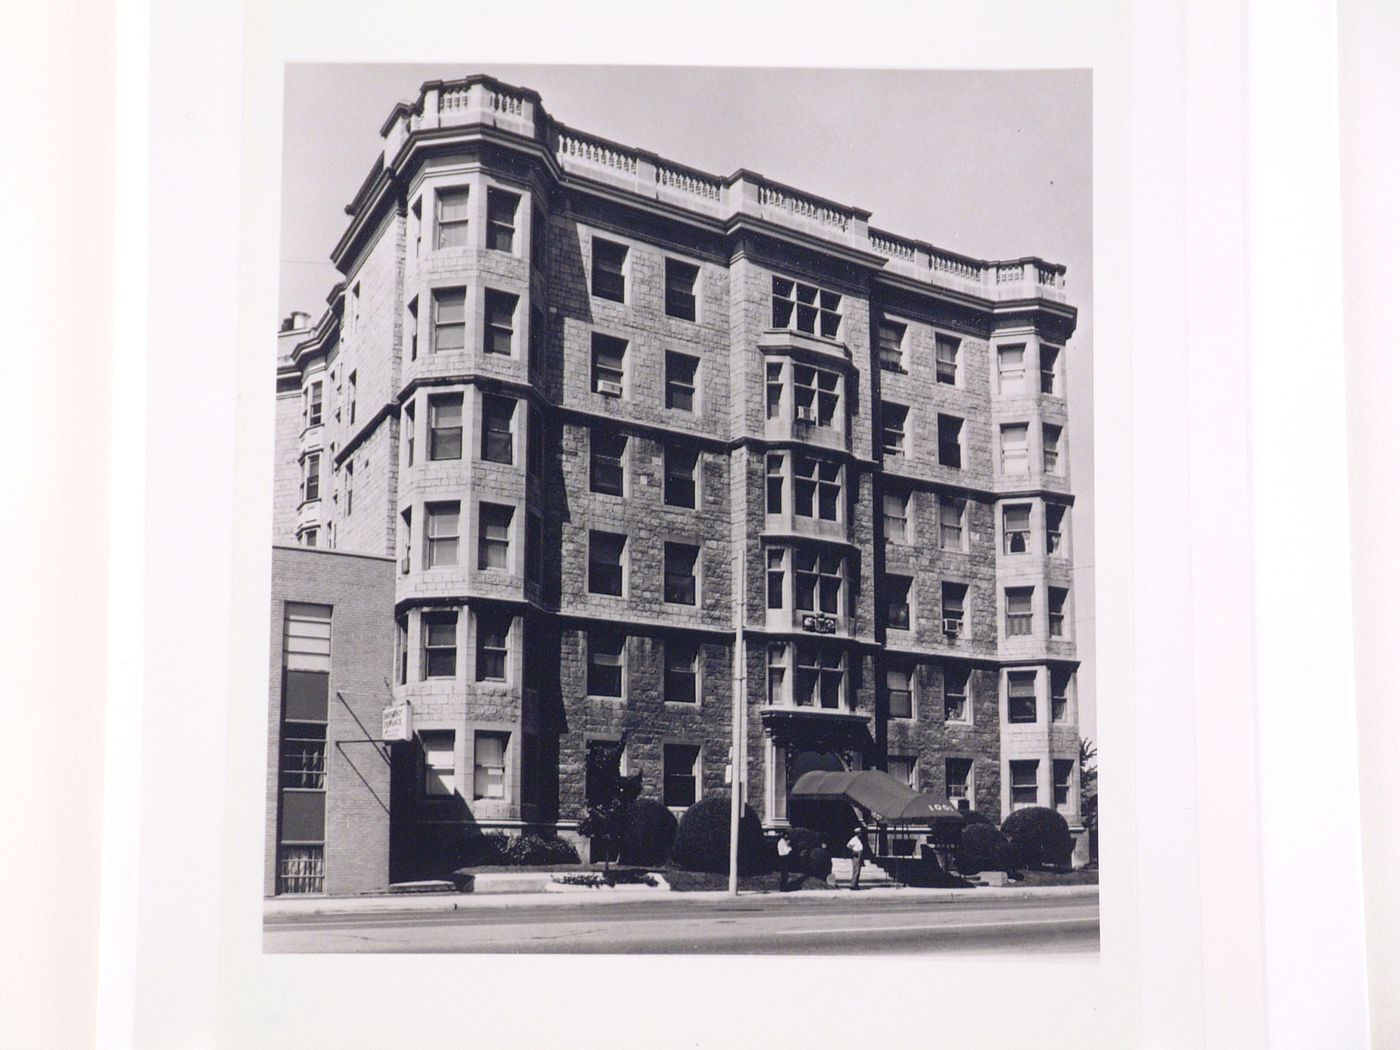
{"x":288,"y":908}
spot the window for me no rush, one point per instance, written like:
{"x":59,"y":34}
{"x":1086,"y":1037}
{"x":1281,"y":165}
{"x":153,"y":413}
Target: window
{"x":680,"y":289}
{"x":500,"y":219}
{"x":818,"y":576}
{"x":777,"y":576}
{"x":609,"y":266}
{"x":1059,"y":696}
{"x":955,"y":705}
{"x":805,"y":308}
{"x":1050,"y":448}
{"x":442,"y":534}
{"x":539,"y":241}
{"x":349,"y":488}
{"x":680,"y":381}
{"x":1013,"y":448}
{"x":406,"y":530}
{"x":821,"y":677}
{"x":954,"y":607}
{"x":416,"y":226}
{"x":412,"y":327}
{"x":493,"y":539}
{"x":534,"y":443}
{"x":777,"y":673}
{"x":605,"y":661}
{"x":681,"y":774}
{"x":1020,"y":696}
{"x":776,"y":462}
{"x":682,"y":660}
{"x":950,"y":522}
{"x":449,"y":320}
{"x":946,"y":358}
{"x":492,"y":645}
{"x":1058,"y":598}
{"x":817,"y":395}
{"x":410,"y":431}
{"x":894,"y":421}
{"x":1016,"y":528}
{"x":308,"y":538}
{"x":439,"y":762}
{"x":896,"y":517}
{"x":680,"y":561}
{"x":816,"y":488}
{"x":500,"y":322}
{"x":489,"y":776}
{"x":401,"y":651}
{"x":774,"y":389}
{"x":897,"y":613}
{"x":534,"y":548}
{"x":440,"y":645}
{"x":1049,"y":360}
{"x":445,"y":427}
{"x":1064,"y":773}
{"x":899,"y":686}
{"x":353,"y":380}
{"x":904,"y":768}
{"x":891,"y":342}
{"x":452,"y":218}
{"x":497,"y":430}
{"x":311,"y":487}
{"x":950,"y":441}
{"x":1054,"y":528}
{"x":314,"y":419}
{"x":607,"y":454}
{"x":679,"y":487}
{"x":1019,"y":615}
{"x":609,"y":357}
{"x":605,"y":565}
{"x":957,"y":777}
{"x":1023,"y":783}
{"x":1011,"y":369}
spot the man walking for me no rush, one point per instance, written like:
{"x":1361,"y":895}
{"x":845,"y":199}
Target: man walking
{"x":784,"y":861}
{"x":857,"y":847}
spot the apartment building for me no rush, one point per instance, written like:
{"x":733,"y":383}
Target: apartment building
{"x":610,"y":416}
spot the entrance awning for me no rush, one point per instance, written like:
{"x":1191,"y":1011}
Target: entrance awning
{"x":889,"y":800}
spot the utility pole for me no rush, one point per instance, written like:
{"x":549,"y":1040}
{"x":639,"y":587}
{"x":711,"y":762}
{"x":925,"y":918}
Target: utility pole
{"x":738,"y":763}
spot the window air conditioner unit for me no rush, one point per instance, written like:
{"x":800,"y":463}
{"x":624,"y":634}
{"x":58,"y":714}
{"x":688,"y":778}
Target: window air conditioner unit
{"x":607,"y":386}
{"x":951,"y":627}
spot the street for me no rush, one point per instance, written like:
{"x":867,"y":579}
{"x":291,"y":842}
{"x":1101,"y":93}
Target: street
{"x":852,"y":924}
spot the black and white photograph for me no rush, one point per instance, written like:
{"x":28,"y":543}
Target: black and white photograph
{"x":578,"y":441}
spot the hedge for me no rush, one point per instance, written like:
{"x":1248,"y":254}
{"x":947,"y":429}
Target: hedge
{"x":983,"y":848}
{"x":702,"y":840}
{"x":1040,"y":837}
{"x":650,"y":830}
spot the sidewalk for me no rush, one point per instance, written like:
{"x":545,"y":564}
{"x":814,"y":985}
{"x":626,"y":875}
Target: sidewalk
{"x":292,"y":907}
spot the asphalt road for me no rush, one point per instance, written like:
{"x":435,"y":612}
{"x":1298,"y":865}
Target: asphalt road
{"x":762,"y":925}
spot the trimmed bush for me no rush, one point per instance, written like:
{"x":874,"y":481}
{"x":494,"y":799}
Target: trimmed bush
{"x":972,"y":816}
{"x":816,"y":862}
{"x":702,"y":840}
{"x":984,"y":848}
{"x":482,"y":850}
{"x":1040,"y":837}
{"x":650,"y":830}
{"x":534,"y":849}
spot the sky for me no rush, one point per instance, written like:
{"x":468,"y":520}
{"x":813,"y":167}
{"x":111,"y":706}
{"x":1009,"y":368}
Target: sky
{"x":992,"y":164}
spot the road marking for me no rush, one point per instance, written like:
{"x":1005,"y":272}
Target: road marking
{"x":1009,"y":923}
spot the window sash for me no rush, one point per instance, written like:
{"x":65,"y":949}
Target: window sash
{"x":440,"y":647}
{"x":680,"y":766}
{"x":680,"y":382}
{"x":494,"y":542}
{"x":896,"y":517}
{"x":1011,"y":368}
{"x":452,"y":211}
{"x":950,"y":441}
{"x":679,"y":486}
{"x":606,"y":552}
{"x":950,"y":523}
{"x":892,"y":429}
{"x":497,"y":429}
{"x":899,"y":685}
{"x":680,"y":289}
{"x":500,"y":322}
{"x":607,"y":454}
{"x":605,"y":666}
{"x":681,"y":673}
{"x":891,"y":344}
{"x":501,"y":209}
{"x":806,"y":308}
{"x":445,"y":428}
{"x":680,"y":564}
{"x":609,"y":271}
{"x":776,"y":576}
{"x":946,"y":355}
{"x":897,"y":614}
{"x":1013,"y":449}
{"x":775,"y":468}
{"x":957,"y":778}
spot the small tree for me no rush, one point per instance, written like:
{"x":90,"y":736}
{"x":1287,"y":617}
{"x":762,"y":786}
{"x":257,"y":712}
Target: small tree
{"x":1088,"y":784}
{"x":609,"y":793}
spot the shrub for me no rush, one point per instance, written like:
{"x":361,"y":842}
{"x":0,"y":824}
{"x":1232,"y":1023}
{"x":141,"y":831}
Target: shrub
{"x":534,"y":849}
{"x":816,"y":862}
{"x":480,"y":850}
{"x":972,"y":816}
{"x":648,"y":834}
{"x":1040,"y":837}
{"x":702,"y":840}
{"x":984,"y":848}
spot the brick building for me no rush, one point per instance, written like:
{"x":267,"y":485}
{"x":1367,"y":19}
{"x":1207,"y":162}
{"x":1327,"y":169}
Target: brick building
{"x":606,"y":413}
